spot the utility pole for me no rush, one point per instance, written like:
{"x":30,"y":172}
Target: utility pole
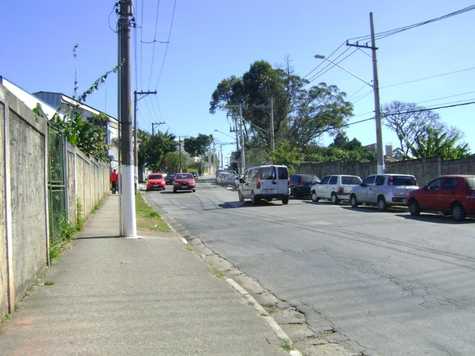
{"x":179,"y":154}
{"x":138,"y":95}
{"x":377,"y":105}
{"x":127,"y":196}
{"x":243,"y":148}
{"x":156,"y":124}
{"x":272,"y":138}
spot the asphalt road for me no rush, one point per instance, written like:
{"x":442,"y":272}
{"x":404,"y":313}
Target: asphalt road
{"x":391,"y":284}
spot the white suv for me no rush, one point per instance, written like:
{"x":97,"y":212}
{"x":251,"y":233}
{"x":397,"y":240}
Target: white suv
{"x":335,"y":188}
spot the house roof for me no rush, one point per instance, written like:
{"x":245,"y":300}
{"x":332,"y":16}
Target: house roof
{"x":28,"y":99}
{"x":61,"y":97}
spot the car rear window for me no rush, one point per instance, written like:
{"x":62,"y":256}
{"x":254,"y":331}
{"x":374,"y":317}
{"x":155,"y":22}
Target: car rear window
{"x":308,"y":179}
{"x":402,"y":180}
{"x":283,"y":173}
{"x":267,"y":173}
{"x":350,"y":180}
{"x":183,"y":176}
{"x":155,"y":176}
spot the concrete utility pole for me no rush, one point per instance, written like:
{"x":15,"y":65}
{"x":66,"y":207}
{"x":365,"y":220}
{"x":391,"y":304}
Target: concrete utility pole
{"x":156,"y":124}
{"x":375,"y":86}
{"x":272,"y":132}
{"x":138,"y":95}
{"x":377,"y":106}
{"x":128,"y":224}
{"x":243,"y":146}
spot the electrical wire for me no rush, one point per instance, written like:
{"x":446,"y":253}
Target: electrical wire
{"x":165,"y":54}
{"x":332,"y":65}
{"x":327,"y":63}
{"x":397,"y":30}
{"x":321,"y":63}
{"x":154,"y":44}
{"x":429,"y":77}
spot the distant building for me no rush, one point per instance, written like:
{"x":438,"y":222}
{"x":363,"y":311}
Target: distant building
{"x":388,"y":149}
{"x":63,"y":103}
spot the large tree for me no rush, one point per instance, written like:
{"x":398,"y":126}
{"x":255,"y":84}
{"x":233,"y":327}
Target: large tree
{"x":409,"y":124}
{"x":301,"y":114}
{"x":199,"y":145}
{"x":153,"y":148}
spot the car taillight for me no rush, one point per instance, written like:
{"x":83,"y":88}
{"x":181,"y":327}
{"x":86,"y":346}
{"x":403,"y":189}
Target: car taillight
{"x":258,"y":183}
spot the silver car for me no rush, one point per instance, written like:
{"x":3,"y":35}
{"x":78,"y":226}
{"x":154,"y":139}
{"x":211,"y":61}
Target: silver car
{"x":335,"y":188}
{"x":383,"y":190}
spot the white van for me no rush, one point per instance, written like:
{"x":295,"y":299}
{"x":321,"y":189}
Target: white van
{"x":265,"y":183}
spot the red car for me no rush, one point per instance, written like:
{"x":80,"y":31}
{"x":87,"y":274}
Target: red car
{"x":155,"y":181}
{"x":184,"y":181}
{"x":452,"y":195}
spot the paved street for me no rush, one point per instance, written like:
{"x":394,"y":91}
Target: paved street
{"x":391,"y":284}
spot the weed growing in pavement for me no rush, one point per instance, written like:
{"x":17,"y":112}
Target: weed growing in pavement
{"x":48,"y":283}
{"x":217,"y":273}
{"x":285,"y":345}
{"x":147,"y":218}
{"x":66,"y":232}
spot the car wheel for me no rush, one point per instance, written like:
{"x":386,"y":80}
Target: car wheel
{"x":381,"y":204}
{"x":285,"y":201}
{"x":334,"y":198}
{"x":174,"y":190}
{"x":458,"y":212}
{"x":194,"y":190}
{"x":241,"y":198}
{"x":353,"y":201}
{"x":315,"y":198}
{"x":414,"y":208}
{"x":253,"y":199}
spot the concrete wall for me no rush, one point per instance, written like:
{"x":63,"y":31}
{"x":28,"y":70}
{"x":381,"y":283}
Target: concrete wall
{"x":87,"y":182}
{"x":424,"y":170}
{"x":3,"y":252}
{"x":24,"y":215}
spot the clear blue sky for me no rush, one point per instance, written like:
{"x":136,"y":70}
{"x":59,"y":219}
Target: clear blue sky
{"x":214,"y":39}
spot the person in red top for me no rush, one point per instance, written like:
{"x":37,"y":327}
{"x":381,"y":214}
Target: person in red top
{"x":114,"y":178}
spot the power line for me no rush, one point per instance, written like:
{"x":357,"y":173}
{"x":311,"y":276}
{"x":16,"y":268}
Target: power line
{"x":397,"y":30}
{"x":429,"y":77}
{"x":332,"y":65}
{"x":321,"y":63}
{"x":165,"y":54}
{"x":441,"y":107}
{"x":326,"y":63}
{"x":154,"y":43}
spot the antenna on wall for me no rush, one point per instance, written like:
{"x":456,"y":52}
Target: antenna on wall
{"x":75,"y":56}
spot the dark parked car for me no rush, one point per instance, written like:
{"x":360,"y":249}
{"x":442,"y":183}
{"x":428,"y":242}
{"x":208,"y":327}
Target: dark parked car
{"x":452,"y":195}
{"x":300,"y":185}
{"x":169,"y":178}
{"x":184,"y":181}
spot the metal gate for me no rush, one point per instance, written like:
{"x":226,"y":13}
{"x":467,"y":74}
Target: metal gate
{"x":56,"y":183}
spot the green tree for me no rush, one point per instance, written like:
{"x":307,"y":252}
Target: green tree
{"x":301,"y":114}
{"x":89,"y":135}
{"x":173,"y":160}
{"x":287,"y":154}
{"x":199,"y":145}
{"x":153,"y":149}
{"x":443,"y":143}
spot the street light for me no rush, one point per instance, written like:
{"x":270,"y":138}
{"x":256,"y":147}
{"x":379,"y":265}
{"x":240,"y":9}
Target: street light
{"x":319,"y":56}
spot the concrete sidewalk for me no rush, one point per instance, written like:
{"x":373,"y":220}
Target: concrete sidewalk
{"x":113,"y":296}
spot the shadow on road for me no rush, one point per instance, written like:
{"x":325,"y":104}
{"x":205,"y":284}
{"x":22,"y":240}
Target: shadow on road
{"x":436,"y":218}
{"x":238,"y":204}
{"x":373,"y":209}
{"x":172,"y":192}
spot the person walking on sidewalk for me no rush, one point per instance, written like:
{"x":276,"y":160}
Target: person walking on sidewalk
{"x":114,"y":178}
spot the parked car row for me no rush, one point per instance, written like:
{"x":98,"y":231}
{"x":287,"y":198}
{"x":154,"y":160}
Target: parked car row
{"x":452,"y":195}
{"x":227,"y":178}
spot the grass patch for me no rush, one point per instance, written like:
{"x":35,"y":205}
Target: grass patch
{"x":66,"y":232}
{"x":216,"y":272}
{"x":285,"y":345}
{"x":147,"y":218}
{"x":49,"y":283}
